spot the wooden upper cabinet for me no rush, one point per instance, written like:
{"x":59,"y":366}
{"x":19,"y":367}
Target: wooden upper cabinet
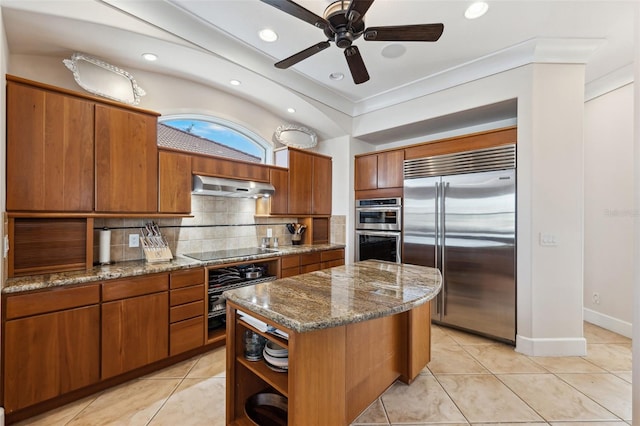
{"x":279,"y":202}
{"x":321,"y":201}
{"x":309,"y":182}
{"x":379,"y":171}
{"x":174,"y":179}
{"x":215,"y":166}
{"x":390,"y":169}
{"x":49,"y":150}
{"x":126,"y":161}
{"x":300,"y":182}
{"x":366,"y":170}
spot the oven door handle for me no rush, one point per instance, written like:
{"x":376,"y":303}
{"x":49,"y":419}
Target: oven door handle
{"x":378,"y":233}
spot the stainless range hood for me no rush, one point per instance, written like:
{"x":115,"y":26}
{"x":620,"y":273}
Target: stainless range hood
{"x":221,"y":187}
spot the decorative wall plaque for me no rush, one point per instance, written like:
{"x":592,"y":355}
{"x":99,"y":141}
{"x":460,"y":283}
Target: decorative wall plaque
{"x":295,"y":136}
{"x":103,"y":79}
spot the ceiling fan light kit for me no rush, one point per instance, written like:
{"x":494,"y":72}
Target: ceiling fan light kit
{"x":343,"y":23}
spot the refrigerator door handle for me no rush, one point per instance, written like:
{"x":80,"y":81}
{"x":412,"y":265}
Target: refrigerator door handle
{"x":445,"y":186}
{"x":436,"y":242}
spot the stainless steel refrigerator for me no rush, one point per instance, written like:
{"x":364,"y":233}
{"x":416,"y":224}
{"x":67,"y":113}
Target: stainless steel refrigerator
{"x":460,"y":216}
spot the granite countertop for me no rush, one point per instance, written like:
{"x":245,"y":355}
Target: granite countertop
{"x":341,"y":295}
{"x":140,"y":267}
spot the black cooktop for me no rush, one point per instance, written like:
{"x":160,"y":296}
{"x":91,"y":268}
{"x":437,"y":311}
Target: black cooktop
{"x":226,"y":254}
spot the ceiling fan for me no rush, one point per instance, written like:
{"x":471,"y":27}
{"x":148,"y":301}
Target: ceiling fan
{"x":342,"y":23}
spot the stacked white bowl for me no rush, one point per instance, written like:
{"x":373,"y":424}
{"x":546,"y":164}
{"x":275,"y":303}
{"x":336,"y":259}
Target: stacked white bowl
{"x":276,"y":357}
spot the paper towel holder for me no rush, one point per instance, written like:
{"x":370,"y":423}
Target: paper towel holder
{"x":104,"y":247}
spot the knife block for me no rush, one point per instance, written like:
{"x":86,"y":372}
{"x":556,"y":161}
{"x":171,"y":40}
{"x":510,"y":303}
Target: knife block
{"x":155,"y":254}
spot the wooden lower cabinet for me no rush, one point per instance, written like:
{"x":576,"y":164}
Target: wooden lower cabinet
{"x":49,"y":355}
{"x":134,"y":333}
{"x":186,"y":335}
{"x":187,"y":309}
{"x":308,"y":262}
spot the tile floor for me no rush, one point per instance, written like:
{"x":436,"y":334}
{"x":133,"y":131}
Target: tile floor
{"x":471,"y":380}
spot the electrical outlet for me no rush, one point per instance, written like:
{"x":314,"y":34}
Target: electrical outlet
{"x":548,"y":240}
{"x":134,"y":240}
{"x":596,"y":298}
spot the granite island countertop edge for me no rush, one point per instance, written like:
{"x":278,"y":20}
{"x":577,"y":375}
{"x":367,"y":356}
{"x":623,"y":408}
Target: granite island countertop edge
{"x":246,"y":303}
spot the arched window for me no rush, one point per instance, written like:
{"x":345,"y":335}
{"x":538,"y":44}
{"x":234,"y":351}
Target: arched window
{"x":213,"y":136}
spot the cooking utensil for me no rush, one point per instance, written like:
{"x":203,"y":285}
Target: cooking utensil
{"x":291,"y":228}
{"x":267,"y":409}
{"x":251,"y":272}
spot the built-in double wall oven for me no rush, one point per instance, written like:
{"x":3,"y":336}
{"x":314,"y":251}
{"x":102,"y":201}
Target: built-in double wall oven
{"x":378,"y":229}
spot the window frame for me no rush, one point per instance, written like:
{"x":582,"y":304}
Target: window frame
{"x":238,"y":128}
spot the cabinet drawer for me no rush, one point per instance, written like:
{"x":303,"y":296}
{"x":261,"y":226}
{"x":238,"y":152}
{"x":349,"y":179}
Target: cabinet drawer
{"x":186,"y":295}
{"x":131,"y":287}
{"x":186,"y":311}
{"x":332,"y":255}
{"x":308,"y":258}
{"x":186,"y":335}
{"x":290,"y":272}
{"x":187,"y":278}
{"x":290,"y":261}
{"x":332,"y":263}
{"x":51,"y":300}
{"x":309,"y":268}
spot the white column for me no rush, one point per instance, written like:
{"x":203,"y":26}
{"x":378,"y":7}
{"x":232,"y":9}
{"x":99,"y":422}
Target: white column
{"x":550,"y":170}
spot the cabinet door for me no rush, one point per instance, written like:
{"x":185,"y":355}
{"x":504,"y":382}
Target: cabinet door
{"x":300,"y":181}
{"x":280,"y":181}
{"x":321,"y":185}
{"x":49,"y":355}
{"x":135,"y":332}
{"x":215,"y":166}
{"x":175,"y":182}
{"x":390,"y":173}
{"x":49,"y":151}
{"x":126,"y":161}
{"x":366,"y":172}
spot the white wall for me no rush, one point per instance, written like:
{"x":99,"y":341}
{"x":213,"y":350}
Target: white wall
{"x":343,"y":150}
{"x":609,"y":210}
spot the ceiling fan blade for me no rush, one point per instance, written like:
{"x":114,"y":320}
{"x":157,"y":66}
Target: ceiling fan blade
{"x":310,"y":51}
{"x":356,"y":65}
{"x":294,"y":9}
{"x":424,"y":32}
{"x":357,"y":9}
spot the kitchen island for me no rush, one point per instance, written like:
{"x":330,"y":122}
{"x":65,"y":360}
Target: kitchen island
{"x":352,"y":331}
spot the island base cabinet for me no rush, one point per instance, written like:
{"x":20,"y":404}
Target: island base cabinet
{"x":63,"y":355}
{"x":334,"y":373}
{"x":317,"y":372}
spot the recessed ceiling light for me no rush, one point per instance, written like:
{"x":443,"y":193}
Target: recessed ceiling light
{"x":476,"y":10}
{"x":291,"y":110}
{"x":336,"y":76}
{"x":150,"y":57}
{"x":268,"y":35}
{"x":235,"y":82}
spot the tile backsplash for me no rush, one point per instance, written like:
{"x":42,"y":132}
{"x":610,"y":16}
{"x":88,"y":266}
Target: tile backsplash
{"x":218,"y":223}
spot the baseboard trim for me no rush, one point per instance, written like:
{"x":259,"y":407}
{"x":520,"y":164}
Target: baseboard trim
{"x":608,"y":322}
{"x":569,"y":346}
